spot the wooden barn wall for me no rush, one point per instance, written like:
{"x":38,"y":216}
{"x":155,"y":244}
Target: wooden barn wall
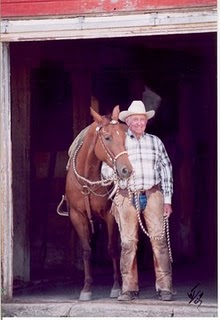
{"x":20,"y":167}
{"x":36,"y":8}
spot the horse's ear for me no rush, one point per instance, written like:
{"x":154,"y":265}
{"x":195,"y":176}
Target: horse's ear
{"x":96,"y":117}
{"x":115,"y":113}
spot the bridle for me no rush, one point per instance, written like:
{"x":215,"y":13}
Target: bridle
{"x":112,"y":158}
{"x":86,"y":188}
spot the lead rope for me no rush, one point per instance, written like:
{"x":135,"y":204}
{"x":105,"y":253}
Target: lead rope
{"x":102,"y":182}
{"x":165,"y":232}
{"x":168,"y":239}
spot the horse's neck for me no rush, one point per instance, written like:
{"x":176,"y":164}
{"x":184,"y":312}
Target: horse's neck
{"x":87,"y":163}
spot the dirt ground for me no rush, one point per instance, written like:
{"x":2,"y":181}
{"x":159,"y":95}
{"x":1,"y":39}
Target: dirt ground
{"x":196,"y":296}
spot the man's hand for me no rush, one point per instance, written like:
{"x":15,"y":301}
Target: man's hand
{"x":167,"y":210}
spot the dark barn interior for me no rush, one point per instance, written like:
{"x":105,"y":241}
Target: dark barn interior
{"x":52,"y":86}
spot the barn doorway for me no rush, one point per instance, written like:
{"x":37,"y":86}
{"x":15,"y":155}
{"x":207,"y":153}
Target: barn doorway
{"x":63,"y":75}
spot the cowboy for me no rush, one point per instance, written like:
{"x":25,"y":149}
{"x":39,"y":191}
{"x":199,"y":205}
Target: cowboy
{"x":148,"y":191}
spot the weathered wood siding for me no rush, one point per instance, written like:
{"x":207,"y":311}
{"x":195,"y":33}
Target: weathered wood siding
{"x":33,"y":8}
{"x":6,"y":203}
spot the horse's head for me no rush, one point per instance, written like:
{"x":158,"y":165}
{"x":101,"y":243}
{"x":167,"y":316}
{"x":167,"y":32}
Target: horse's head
{"x":110,"y":144}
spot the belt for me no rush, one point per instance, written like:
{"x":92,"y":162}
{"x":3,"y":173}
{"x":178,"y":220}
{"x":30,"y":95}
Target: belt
{"x":124,"y":192}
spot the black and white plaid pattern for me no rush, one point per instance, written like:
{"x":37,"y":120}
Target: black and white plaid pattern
{"x":151,"y":162}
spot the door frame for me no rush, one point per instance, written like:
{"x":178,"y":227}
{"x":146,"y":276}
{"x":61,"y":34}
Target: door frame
{"x":196,"y":20}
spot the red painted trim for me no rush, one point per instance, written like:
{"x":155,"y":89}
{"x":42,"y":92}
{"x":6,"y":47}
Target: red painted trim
{"x":32,"y":8}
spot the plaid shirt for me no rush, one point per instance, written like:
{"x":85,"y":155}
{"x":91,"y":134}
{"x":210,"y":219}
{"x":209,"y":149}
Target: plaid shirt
{"x":150,"y":162}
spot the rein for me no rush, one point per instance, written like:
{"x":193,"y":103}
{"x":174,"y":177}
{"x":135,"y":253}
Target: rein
{"x":103,"y":182}
{"x":165,"y":231}
{"x":113,"y":159}
{"x":86,"y":188}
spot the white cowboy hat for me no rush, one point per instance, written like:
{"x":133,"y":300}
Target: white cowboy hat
{"x":136,"y":107}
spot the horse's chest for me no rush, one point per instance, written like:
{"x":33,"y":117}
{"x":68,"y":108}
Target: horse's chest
{"x":99,"y":205}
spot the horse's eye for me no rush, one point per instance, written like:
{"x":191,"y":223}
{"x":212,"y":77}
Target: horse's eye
{"x":107,"y":137}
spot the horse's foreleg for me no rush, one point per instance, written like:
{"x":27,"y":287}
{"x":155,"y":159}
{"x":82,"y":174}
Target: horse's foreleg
{"x":82,"y":227}
{"x":113,"y":249}
{"x":86,"y":292}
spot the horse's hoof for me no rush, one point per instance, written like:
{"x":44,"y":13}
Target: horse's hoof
{"x":115,"y":293}
{"x":85,"y":296}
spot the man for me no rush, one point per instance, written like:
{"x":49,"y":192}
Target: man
{"x":151,"y":184}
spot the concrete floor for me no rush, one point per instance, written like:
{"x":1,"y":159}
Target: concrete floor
{"x":195,"y":286}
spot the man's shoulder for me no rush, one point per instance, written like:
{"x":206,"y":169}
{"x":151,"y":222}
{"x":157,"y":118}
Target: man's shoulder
{"x":151,"y":136}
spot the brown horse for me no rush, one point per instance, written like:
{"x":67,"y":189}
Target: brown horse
{"x":87,"y":193}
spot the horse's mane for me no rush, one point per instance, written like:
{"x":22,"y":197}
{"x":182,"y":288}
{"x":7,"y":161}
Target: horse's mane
{"x":79,"y":138}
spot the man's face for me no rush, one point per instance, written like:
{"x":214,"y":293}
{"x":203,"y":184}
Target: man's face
{"x":137,"y":124}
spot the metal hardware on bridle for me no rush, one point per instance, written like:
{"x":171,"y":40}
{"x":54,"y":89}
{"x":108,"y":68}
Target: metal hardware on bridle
{"x":85,"y":190}
{"x":111,"y":122}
